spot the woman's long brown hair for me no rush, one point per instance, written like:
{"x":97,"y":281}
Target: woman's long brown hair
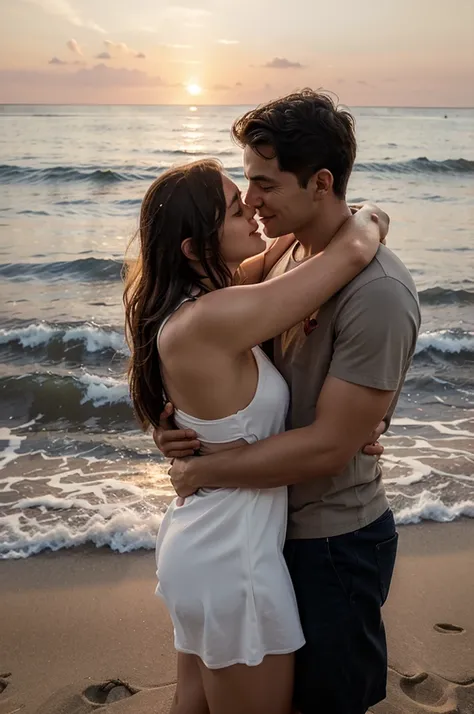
{"x":184,"y":202}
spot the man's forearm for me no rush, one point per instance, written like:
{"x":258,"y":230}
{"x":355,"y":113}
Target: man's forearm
{"x":292,"y":457}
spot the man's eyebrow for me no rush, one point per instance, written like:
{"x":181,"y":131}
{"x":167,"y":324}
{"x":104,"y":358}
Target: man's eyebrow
{"x":236,"y":197}
{"x":261,"y":177}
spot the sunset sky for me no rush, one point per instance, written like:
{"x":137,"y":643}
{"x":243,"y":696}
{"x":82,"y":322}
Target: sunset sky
{"x":370,"y":52}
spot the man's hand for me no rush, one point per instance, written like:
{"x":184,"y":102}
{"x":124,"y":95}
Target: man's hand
{"x":177,"y":474}
{"x":174,"y":443}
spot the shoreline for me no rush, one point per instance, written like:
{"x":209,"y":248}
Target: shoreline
{"x":76,"y":619}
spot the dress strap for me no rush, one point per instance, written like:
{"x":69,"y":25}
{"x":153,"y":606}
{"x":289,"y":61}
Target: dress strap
{"x":191,"y":298}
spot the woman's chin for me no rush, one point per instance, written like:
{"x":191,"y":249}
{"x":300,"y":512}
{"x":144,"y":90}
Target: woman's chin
{"x":260,"y":244}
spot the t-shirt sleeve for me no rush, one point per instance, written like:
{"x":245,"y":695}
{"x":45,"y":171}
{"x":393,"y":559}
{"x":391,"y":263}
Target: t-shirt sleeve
{"x":375,"y":335}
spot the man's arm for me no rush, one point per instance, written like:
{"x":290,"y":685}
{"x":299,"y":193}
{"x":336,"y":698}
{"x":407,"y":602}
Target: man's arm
{"x":346,"y":414}
{"x":375,"y":337}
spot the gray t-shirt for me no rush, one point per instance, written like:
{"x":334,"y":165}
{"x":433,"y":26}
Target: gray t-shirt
{"x":366,"y":334}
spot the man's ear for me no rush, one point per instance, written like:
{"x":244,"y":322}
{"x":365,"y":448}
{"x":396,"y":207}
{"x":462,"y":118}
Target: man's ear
{"x":187,"y":249}
{"x":321,"y":183}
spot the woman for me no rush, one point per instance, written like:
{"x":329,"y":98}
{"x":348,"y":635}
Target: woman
{"x":194,"y":340}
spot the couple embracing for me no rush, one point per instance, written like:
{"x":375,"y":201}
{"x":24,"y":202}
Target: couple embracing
{"x":283,"y":366}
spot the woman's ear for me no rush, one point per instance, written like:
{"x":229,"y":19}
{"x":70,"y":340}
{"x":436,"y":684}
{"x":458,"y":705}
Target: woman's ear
{"x":187,"y":249}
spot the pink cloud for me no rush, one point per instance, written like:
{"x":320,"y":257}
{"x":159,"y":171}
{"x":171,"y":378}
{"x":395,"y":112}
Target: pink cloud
{"x":74,"y":46}
{"x":99,"y":76}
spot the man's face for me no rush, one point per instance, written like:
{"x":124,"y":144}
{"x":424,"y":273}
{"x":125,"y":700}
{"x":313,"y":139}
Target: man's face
{"x":282,"y":205}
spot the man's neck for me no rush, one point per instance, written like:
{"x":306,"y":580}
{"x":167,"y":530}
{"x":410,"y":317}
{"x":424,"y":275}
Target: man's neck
{"x":317,"y":235}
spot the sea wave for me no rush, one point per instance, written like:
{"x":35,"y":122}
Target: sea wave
{"x":91,"y":337}
{"x":109,"y":175}
{"x":69,"y":400}
{"x":446,"y":296}
{"x":124,"y":531}
{"x":61,"y":339}
{"x":193,"y":152}
{"x":83,"y":268}
{"x":124,"y":528}
{"x":448,"y":342}
{"x":67,"y":389}
{"x":421,"y":165}
{"x":428,"y":506}
{"x":63,"y":174}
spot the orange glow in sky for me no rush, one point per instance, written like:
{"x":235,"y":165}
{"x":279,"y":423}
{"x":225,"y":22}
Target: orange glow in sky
{"x":401,"y":53}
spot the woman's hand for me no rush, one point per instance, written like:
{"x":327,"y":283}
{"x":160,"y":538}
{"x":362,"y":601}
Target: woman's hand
{"x":373,"y":447}
{"x":361,"y":242}
{"x":382,"y":217}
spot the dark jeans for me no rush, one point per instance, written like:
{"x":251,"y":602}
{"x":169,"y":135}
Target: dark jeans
{"x":341,"y":584}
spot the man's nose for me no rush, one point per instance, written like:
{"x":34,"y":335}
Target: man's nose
{"x":252,"y":199}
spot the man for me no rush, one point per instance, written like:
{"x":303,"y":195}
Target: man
{"x":345,"y":367}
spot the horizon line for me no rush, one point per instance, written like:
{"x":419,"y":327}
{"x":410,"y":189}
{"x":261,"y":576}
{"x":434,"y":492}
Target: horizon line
{"x":227,"y":104}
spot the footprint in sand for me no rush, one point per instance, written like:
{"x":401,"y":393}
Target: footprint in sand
{"x":114,"y":690}
{"x":4,"y":681}
{"x":109,"y":696}
{"x":430,"y":691}
{"x":447,"y":629}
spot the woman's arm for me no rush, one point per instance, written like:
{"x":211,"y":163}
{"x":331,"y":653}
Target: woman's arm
{"x":238,"y":318}
{"x":254,"y":270}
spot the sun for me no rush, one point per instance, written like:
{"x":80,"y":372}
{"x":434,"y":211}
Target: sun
{"x":193,"y":89}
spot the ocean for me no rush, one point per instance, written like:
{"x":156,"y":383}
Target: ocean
{"x":74,"y":468}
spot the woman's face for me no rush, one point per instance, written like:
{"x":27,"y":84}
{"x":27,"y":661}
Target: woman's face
{"x":240,"y":237}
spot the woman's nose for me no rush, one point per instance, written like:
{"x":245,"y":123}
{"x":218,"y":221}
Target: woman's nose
{"x":250,"y":214}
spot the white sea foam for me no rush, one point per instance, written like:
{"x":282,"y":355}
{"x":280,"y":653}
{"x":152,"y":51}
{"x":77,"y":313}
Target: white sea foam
{"x":428,"y":506}
{"x":445,"y":341}
{"x":123,"y":531}
{"x":9,"y":452}
{"x":96,"y":338}
{"x":450,"y":428}
{"x":103,"y":390}
{"x":93,"y":337}
{"x":118,"y":506}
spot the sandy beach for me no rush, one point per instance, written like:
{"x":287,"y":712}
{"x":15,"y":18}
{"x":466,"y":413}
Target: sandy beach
{"x":81,"y":630}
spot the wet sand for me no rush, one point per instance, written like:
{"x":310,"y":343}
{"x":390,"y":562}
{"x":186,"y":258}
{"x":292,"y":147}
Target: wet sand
{"x":81,"y":630}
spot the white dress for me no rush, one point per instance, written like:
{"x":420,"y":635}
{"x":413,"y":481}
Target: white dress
{"x":220,"y":564}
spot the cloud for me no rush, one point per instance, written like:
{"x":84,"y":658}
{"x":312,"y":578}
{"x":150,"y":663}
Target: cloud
{"x":76,"y":85}
{"x":103,"y":56}
{"x":103,"y":76}
{"x":228,"y":42}
{"x":239,"y":84}
{"x":100,"y":76}
{"x":64,"y":9}
{"x":74,"y":46}
{"x":220,"y":88}
{"x":122,"y":48}
{"x":283,"y":63}
{"x":362,"y":81}
{"x":180,"y":47}
{"x":117,"y":46}
{"x":57,"y":61}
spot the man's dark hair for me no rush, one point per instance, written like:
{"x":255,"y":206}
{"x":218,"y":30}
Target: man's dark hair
{"x":308,"y":132}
